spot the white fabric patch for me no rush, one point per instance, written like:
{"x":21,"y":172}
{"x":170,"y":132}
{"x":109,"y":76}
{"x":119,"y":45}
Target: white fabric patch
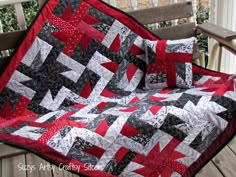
{"x":180,"y":46}
{"x":95,"y":65}
{"x":15,"y":85}
{"x":77,"y":69}
{"x":116,"y":28}
{"x":38,"y":46}
{"x":45,"y":117}
{"x":32,"y":133}
{"x":53,"y":104}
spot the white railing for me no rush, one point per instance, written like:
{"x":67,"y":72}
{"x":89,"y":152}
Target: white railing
{"x":223,"y":14}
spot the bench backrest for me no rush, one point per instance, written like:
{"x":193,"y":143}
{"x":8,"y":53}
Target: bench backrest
{"x":150,"y":16}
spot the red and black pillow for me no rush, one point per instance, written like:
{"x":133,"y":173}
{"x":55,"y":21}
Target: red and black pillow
{"x":169,"y":63}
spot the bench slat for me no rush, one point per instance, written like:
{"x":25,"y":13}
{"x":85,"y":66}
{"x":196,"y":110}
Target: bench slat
{"x":185,"y":30}
{"x":11,"y":39}
{"x":8,"y":151}
{"x":218,"y":31}
{"x":163,"y":13}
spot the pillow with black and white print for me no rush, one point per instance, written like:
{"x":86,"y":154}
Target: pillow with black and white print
{"x":169,"y":63}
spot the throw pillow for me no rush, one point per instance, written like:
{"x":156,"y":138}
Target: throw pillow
{"x":169,"y":63}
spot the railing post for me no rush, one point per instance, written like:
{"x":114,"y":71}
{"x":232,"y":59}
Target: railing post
{"x":194,"y":3}
{"x":174,"y":22}
{"x":133,"y":4}
{"x":20,"y":16}
{"x":154,"y":3}
{"x":41,"y":3}
{"x":223,"y":14}
{"x":112,"y":2}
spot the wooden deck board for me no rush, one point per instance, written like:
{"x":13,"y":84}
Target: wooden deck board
{"x":232,"y":145}
{"x":209,"y":170}
{"x":59,"y":172}
{"x":42,"y":167}
{"x":9,"y":151}
{"x":11,"y":167}
{"x":225,"y":160}
{"x":0,"y":168}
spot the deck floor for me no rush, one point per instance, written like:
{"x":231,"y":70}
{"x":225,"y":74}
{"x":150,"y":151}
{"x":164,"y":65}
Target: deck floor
{"x":13,"y":163}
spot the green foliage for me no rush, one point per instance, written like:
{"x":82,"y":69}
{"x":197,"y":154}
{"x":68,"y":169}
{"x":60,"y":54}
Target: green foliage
{"x":164,"y":24}
{"x":202,"y":17}
{"x":8,"y":17}
{"x":30,"y":10}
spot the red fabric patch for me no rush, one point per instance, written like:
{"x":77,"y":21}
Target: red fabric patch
{"x":95,"y":151}
{"x":177,"y":155}
{"x":19,"y":110}
{"x":89,"y":30}
{"x":210,"y":89}
{"x":102,"y":128}
{"x":171,"y":74}
{"x":2,"y":120}
{"x":62,"y":25}
{"x":224,"y":88}
{"x":72,"y":42}
{"x":164,"y":154}
{"x":120,"y":154}
{"x":179,"y":57}
{"x":131,"y":70}
{"x":165,"y":91}
{"x":111,"y":66}
{"x":39,"y":125}
{"x":102,"y":105}
{"x":67,"y":13}
{"x":79,"y":14}
{"x":90,"y":19}
{"x":129,"y":131}
{"x":57,"y":125}
{"x":143,"y":171}
{"x":62,"y":36}
{"x":79,"y":106}
{"x":85,"y":41}
{"x":5,"y":111}
{"x":136,"y":50}
{"x":134,"y":100}
{"x":107,"y":93}
{"x":86,"y":90}
{"x":154,"y":98}
{"x":161,"y":51}
{"x":174,"y":166}
{"x":131,"y":109}
{"x":155,"y":109}
{"x":115,"y":46}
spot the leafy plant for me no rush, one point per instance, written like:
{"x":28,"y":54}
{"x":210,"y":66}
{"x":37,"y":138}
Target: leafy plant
{"x":202,"y":17}
{"x":8,"y":17}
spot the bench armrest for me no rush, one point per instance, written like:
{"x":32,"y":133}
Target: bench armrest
{"x":225,"y":37}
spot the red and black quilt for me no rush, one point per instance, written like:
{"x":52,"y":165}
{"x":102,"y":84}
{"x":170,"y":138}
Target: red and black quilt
{"x":73,"y":94}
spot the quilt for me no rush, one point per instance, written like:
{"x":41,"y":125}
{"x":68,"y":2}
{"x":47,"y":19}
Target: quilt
{"x":73,"y":94}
